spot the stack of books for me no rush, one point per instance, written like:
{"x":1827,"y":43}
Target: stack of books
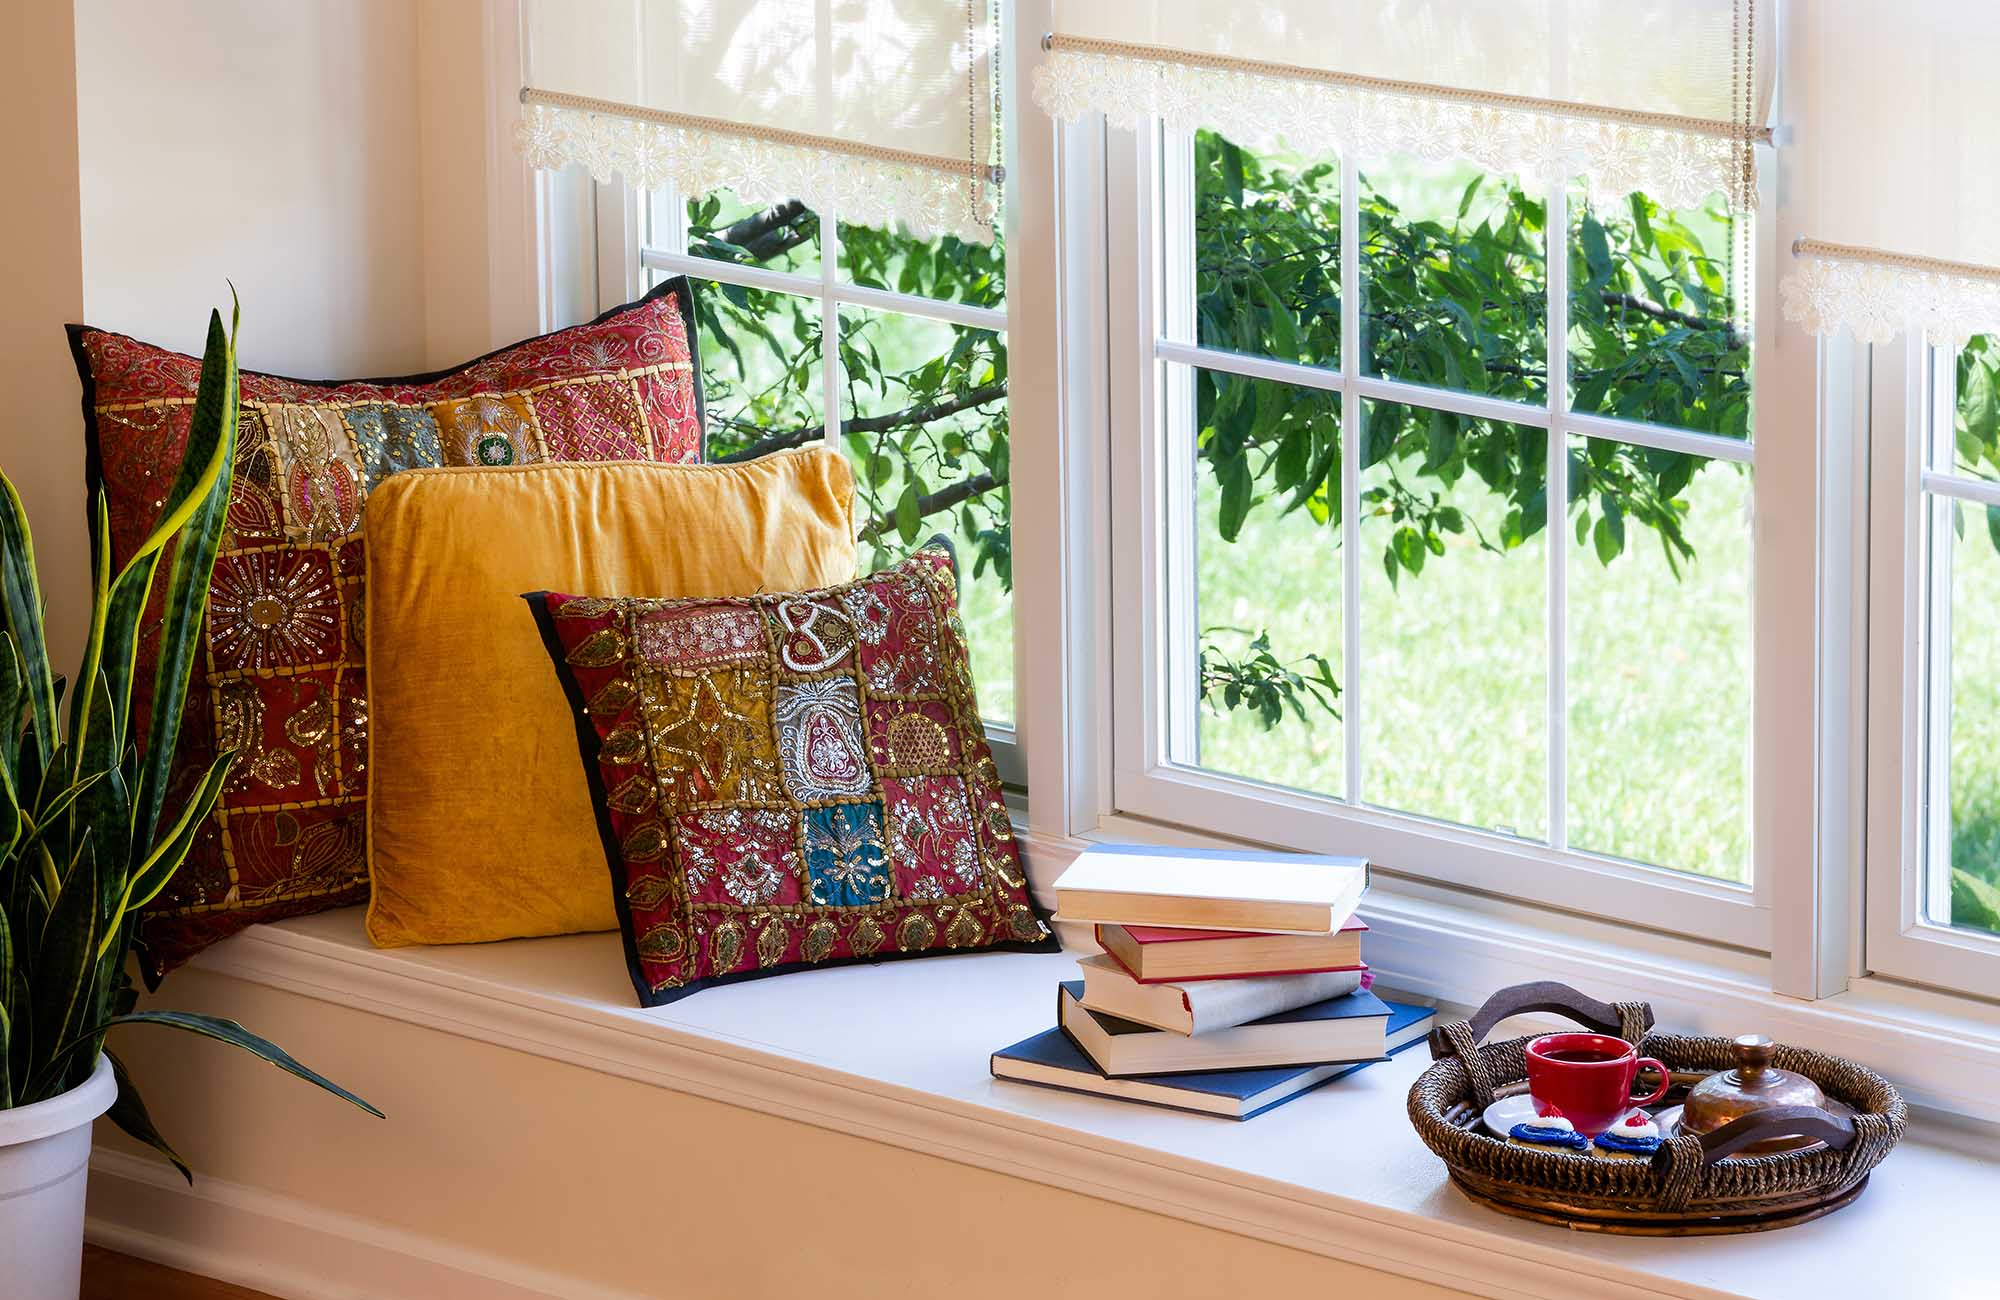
{"x":1229,"y":983}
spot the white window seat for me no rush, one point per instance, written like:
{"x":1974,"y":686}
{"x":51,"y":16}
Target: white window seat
{"x":1338,"y":1172}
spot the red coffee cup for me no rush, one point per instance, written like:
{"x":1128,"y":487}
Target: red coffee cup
{"x":1588,"y":1077}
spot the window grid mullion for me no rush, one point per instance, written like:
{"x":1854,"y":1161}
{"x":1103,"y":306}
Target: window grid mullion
{"x":814,"y":286}
{"x":1940,"y":412}
{"x":1352,"y":421}
{"x":1174,"y":292}
{"x":831,"y":380}
{"x":1973,"y":491}
{"x":1556,"y":483}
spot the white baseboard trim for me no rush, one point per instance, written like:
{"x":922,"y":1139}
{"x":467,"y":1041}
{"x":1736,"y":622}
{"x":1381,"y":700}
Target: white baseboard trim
{"x":258,"y":1239}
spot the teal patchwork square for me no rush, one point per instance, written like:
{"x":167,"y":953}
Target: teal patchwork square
{"x":845,"y":861}
{"x":390,"y":439}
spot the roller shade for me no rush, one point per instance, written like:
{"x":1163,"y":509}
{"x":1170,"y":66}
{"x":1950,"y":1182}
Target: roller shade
{"x":880,"y":110}
{"x":1664,"y":96}
{"x":1904,"y":134}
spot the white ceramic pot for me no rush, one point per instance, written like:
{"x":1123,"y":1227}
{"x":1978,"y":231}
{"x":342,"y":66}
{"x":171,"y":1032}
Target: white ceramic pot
{"x":44,"y":1165}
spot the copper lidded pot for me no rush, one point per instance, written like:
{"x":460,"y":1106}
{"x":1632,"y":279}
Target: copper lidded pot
{"x":1754,"y":1085}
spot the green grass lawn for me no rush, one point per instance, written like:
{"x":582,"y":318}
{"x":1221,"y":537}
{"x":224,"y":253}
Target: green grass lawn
{"x":1455,"y":679}
{"x":1455,"y":667}
{"x":1975,"y":712}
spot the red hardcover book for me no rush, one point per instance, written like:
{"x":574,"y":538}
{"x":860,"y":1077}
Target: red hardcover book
{"x":1158,"y":955}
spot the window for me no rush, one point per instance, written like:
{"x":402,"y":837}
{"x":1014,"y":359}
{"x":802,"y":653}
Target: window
{"x":1962,"y":679}
{"x":1934,"y":855}
{"x":1448,"y":488}
{"x":905,"y":341}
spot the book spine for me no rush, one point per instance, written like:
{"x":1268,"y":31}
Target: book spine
{"x":1357,"y":968}
{"x":1224,"y":1004}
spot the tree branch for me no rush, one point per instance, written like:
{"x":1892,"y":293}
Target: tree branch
{"x":1660,"y":311}
{"x":902,"y":419}
{"x":748,"y":230}
{"x":942,"y":499}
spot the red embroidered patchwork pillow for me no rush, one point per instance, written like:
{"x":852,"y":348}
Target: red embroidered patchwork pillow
{"x":791,"y":780}
{"x":283,"y":681}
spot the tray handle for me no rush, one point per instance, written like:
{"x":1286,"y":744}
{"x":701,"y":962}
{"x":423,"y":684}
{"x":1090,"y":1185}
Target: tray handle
{"x":1461,"y":1038}
{"x":1554,"y":999}
{"x":1837,"y":1131}
{"x":1683,"y":1158}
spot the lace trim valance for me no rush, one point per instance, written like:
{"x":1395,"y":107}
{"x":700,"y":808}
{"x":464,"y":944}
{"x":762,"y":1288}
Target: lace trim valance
{"x":928,"y":197}
{"x":1677,"y":161}
{"x":1879,"y":294}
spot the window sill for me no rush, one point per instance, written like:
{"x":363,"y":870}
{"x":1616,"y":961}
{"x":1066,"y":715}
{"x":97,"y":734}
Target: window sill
{"x":1456,"y":947}
{"x":1338,"y":1172}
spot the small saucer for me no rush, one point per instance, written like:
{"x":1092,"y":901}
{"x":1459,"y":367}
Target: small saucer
{"x":1501,"y":1117}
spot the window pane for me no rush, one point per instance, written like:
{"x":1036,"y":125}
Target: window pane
{"x":1659,"y":658}
{"x":760,"y":369}
{"x":1454,"y":634}
{"x":1266,"y":252}
{"x":1977,"y":429}
{"x":1454,"y":279}
{"x":947,"y":268}
{"x":1267,"y":580}
{"x":1652,"y":334}
{"x":1969,"y":714}
{"x":784,"y":237}
{"x":924,"y":419}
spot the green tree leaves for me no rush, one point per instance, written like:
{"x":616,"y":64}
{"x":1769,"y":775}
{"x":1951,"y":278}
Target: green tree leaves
{"x":1456,"y":300}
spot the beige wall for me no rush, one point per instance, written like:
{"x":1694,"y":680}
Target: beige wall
{"x":273,"y":144}
{"x":41,"y":444}
{"x":614,"y":1183}
{"x":332,"y":158}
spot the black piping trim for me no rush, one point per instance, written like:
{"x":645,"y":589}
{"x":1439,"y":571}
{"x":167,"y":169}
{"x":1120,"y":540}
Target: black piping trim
{"x":600,"y":798}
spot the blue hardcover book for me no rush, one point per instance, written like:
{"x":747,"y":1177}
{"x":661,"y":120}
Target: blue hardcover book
{"x":1051,"y":1060}
{"x":1352,"y":1027}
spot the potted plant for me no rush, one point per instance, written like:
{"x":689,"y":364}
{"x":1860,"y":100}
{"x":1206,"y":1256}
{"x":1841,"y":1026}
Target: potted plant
{"x":90,"y":832}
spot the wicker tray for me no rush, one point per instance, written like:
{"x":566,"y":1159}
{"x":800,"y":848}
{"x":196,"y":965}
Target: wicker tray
{"x":1693,"y":1185}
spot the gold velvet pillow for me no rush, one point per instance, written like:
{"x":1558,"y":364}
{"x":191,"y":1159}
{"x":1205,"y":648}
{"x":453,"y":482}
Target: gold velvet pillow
{"x":480,"y":823}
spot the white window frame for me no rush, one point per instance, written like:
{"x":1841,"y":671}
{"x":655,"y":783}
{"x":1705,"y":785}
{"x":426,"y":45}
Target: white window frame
{"x":1153,"y":487}
{"x":1911,"y":415}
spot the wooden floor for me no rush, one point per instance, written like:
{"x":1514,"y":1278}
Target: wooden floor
{"x":111,"y":1276}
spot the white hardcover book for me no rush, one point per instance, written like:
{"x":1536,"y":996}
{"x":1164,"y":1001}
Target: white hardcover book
{"x":1347,"y":1028}
{"x":1217,"y":889}
{"x":1200,"y":1006}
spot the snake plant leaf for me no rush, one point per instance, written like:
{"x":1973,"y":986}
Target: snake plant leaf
{"x":6,"y":1015}
{"x":121,"y":639}
{"x":21,"y":1031}
{"x":13,"y":699}
{"x":129,"y":1113}
{"x":210,"y":443}
{"x":48,"y":818}
{"x":228,"y":1031}
{"x":10,"y":824}
{"x":28,"y":768}
{"x":104,"y":811}
{"x":152,"y":876}
{"x":193,"y":518}
{"x":63,"y":962}
{"x":21,"y":602}
{"x":82,"y":707}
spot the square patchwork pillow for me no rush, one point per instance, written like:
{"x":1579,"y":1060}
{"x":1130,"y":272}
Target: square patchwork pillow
{"x":791,"y":780}
{"x":283,"y":680}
